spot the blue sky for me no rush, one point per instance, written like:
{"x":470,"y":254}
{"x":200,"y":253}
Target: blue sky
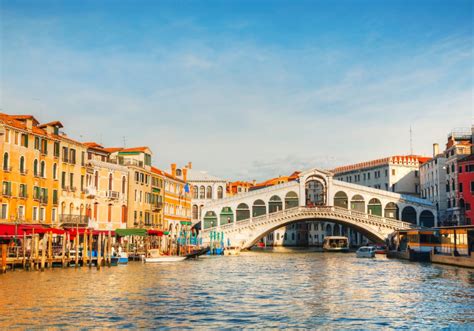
{"x":244,"y":89}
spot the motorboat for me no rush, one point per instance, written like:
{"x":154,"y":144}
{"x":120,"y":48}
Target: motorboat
{"x":380,"y":249}
{"x":366,"y":251}
{"x":122,"y":258}
{"x":336,"y":244}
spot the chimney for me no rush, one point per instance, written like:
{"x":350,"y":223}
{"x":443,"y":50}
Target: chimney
{"x":29,"y":124}
{"x":435,"y":150}
{"x":185,"y":174}
{"x":190,"y":165}
{"x":254,"y":182}
{"x":173,"y":169}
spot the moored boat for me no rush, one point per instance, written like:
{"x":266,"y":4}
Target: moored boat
{"x":164,"y":258}
{"x":336,"y":244}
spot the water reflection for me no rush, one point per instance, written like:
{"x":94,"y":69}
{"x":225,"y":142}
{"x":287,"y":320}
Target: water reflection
{"x":253,"y":290}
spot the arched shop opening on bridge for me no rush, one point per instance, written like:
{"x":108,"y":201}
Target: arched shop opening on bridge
{"x":391,"y":210}
{"x":315,"y":190}
{"x":226,"y":216}
{"x":210,"y":220}
{"x":275,"y":204}
{"x":341,"y":200}
{"x":259,"y":208}
{"x":291,"y":200}
{"x":374,"y":207}
{"x":242,"y":212}
{"x":427,"y":219}
{"x":409,"y":215}
{"x":358,"y":203}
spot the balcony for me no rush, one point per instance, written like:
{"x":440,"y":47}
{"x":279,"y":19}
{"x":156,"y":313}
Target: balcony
{"x":23,"y":196}
{"x":90,"y":192}
{"x":73,"y":219}
{"x":7,"y":194}
{"x":157,"y":206}
{"x":43,"y":200}
{"x":112,"y":195}
{"x":7,"y":169}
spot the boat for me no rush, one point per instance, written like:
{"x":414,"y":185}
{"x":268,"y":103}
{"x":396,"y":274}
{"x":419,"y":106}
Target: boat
{"x":197,"y":252}
{"x":154,"y":256}
{"x":380,"y":249}
{"x":366,"y":251}
{"x":122,"y":258}
{"x":232,"y":251}
{"x":412,"y":245}
{"x":336,"y":244}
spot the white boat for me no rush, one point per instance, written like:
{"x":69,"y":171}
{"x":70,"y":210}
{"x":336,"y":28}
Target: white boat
{"x":154,"y":256}
{"x":164,"y":258}
{"x":366,"y":251}
{"x":336,"y":244}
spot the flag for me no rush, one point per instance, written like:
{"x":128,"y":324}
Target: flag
{"x":186,"y":188}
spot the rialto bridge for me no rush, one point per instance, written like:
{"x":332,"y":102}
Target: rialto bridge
{"x":315,"y":196}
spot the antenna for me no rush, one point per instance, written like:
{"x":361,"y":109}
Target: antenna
{"x":124,"y":141}
{"x":411,"y":141}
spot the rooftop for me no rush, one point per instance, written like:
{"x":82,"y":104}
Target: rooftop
{"x":408,"y":160}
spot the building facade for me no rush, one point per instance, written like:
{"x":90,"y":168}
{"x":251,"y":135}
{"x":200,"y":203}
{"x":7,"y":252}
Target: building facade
{"x":458,"y":146}
{"x":466,"y":187}
{"x":106,"y":190}
{"x":177,"y":209}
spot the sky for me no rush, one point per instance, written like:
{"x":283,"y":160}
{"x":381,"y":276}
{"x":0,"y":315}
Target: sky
{"x":243,"y":89}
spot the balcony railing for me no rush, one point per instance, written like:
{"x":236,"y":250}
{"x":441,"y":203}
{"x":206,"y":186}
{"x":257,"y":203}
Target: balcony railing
{"x":112,"y":195}
{"x":157,"y":206}
{"x":91,"y":192}
{"x":73,"y":219}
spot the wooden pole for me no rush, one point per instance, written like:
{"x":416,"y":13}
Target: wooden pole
{"x":76,"y":241}
{"x":109,"y":250}
{"x":50,"y":250}
{"x":24,"y":250}
{"x":84,"y":251}
{"x":44,"y":243}
{"x":63,"y":250}
{"x":99,"y":251}
{"x":90,"y":247}
{"x":4,"y":258}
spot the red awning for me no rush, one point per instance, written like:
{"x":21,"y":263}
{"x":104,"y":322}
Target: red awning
{"x":81,"y":231}
{"x":155,"y":233}
{"x":9,"y":230}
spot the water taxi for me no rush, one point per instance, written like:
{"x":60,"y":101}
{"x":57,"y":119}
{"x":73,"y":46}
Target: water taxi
{"x":366,"y":251}
{"x":413,"y":245}
{"x":336,"y":244}
{"x":154,"y":256}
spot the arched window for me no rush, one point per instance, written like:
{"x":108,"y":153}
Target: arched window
{"x":427,"y":219}
{"x":195,"y":192}
{"x":110,"y":182}
{"x":22,"y":164}
{"x":259,"y":208}
{"x":315,"y":192}
{"x":5,"y":162}
{"x":374,"y":207}
{"x":42,"y":170}
{"x":409,"y":215}
{"x":124,"y":213}
{"x":358,"y":203}
{"x":209,"y":193}
{"x":291,"y":200}
{"x":275,"y":204}
{"x":391,"y":210}
{"x":202,"y":192}
{"x":55,"y":171}
{"x":220,"y":192}
{"x":341,"y":200}
{"x":35,"y":168}
{"x":243,"y":212}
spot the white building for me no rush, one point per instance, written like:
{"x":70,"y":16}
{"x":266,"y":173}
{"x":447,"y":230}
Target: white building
{"x":433,"y":181}
{"x":398,"y":174}
{"x":204,"y":188}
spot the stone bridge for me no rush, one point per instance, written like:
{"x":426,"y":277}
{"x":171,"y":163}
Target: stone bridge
{"x":314,"y":196}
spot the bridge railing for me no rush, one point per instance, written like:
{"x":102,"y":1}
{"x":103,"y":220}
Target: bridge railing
{"x":382,"y":221}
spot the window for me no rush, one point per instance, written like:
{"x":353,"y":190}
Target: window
{"x":209,"y":193}
{"x":44,"y":146}
{"x":6,"y":162}
{"x":109,"y":213}
{"x":7,"y":188}
{"x":4,"y":211}
{"x":63,"y":180}
{"x":55,"y":171}
{"x":71,"y":181}
{"x":7,"y":135}
{"x":22,"y":191}
{"x":82,"y":182}
{"x":21,"y":212}
{"x":56,"y":149}
{"x":386,"y":172}
{"x":17,"y":135}
{"x":72,"y":156}
{"x":35,"y":168}
{"x":37,"y":143}
{"x":124,"y":185}
{"x":460,"y":187}
{"x":393,"y":172}
{"x":83,"y":158}
{"x":35,"y":213}
{"x":22,"y":164}
{"x":55,"y":197}
{"x":96,"y":180}
{"x":202,"y":192}
{"x":24,"y":140}
{"x":53,"y":214}
{"x":42,"y":170}
{"x":110,"y":182}
{"x":65,"y":154}
{"x":41,"y":214}
{"x":472,"y":187}
{"x":220,"y":192}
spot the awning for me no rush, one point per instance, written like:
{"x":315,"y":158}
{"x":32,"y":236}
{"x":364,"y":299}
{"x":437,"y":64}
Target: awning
{"x":9,"y":230}
{"x":186,"y":223}
{"x":130,"y":232}
{"x":155,"y":233}
{"x":74,"y":232}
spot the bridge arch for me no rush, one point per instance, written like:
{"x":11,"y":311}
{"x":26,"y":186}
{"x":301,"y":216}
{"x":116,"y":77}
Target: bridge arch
{"x":341,"y":200}
{"x":275,"y":204}
{"x":391,"y":211}
{"x":329,"y":230}
{"x":259,"y":208}
{"x":427,"y":219}
{"x":291,"y":200}
{"x":242,"y":212}
{"x":409,"y":215}
{"x":358,"y":203}
{"x":315,"y":191}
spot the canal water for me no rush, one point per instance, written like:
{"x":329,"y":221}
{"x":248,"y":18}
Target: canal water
{"x":254,"y":290}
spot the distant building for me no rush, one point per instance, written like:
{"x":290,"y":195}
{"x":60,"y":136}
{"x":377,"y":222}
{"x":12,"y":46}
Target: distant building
{"x":399,"y":174}
{"x":237,"y":187}
{"x":458,"y":146}
{"x":204,"y":188}
{"x":466,"y":187}
{"x":433,"y":181}
{"x":177,"y":199}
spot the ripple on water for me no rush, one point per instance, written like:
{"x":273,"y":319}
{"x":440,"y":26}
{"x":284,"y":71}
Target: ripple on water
{"x":303,"y":290}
